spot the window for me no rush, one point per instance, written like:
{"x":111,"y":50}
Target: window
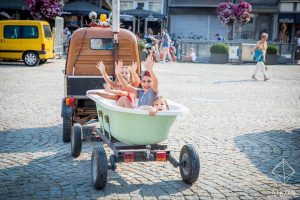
{"x":298,"y":7}
{"x":155,"y":6}
{"x":30,"y":32}
{"x":12,"y":31}
{"x":247,"y":31}
{"x":47,"y":31}
{"x":102,"y":44}
{"x":287,"y":7}
{"x":126,"y":5}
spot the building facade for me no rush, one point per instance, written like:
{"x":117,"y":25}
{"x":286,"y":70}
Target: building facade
{"x":198,"y":19}
{"x":141,"y":25}
{"x":288,"y":21}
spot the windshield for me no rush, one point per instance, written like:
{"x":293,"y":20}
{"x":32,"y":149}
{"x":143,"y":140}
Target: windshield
{"x":47,"y":31}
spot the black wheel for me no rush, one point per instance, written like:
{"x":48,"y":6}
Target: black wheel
{"x":76,"y":143}
{"x":31,"y":58}
{"x":99,"y":168}
{"x":189,"y":164}
{"x":113,"y":160}
{"x":42,"y":62}
{"x":67,"y":125}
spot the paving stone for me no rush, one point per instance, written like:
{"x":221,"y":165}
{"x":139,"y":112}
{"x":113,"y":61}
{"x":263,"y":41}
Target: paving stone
{"x":241,"y":128}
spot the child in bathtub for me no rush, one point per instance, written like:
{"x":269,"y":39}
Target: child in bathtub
{"x":159,"y":104}
{"x":149,"y":85}
{"x":113,"y":90}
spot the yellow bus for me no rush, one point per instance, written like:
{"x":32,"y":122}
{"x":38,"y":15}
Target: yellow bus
{"x":27,"y":40}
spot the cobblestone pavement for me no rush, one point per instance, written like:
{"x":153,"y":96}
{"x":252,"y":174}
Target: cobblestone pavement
{"x":241,"y":128}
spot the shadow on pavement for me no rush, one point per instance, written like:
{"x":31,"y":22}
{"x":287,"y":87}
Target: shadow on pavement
{"x":36,"y":158}
{"x":267,"y":149}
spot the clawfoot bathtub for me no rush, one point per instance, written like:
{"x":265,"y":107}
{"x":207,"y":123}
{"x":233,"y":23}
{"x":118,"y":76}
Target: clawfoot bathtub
{"x":135,"y":126}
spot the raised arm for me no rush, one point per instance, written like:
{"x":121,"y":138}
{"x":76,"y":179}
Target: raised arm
{"x":125,"y":86}
{"x":149,"y":66}
{"x":116,"y":92}
{"x":135,"y":77}
{"x":101,"y":68}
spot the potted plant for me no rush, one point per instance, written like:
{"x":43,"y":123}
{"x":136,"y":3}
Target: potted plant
{"x":271,"y":55}
{"x":219,"y":53}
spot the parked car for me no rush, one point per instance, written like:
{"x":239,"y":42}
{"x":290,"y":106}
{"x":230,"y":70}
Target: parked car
{"x":27,"y":40}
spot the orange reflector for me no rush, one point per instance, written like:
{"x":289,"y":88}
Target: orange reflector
{"x":128,"y":157}
{"x":161,"y":156}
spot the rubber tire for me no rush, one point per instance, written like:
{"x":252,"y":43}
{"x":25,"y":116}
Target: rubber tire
{"x":190,"y":171}
{"x":42,"y":62}
{"x":32,"y":53}
{"x":99,"y":162}
{"x":113,"y":161}
{"x":76,"y":143}
{"x":67,"y":126}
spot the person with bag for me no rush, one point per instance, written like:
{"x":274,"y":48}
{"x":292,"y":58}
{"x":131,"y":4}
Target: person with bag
{"x":259,"y":55}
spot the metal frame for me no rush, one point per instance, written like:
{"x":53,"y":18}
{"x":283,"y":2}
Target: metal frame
{"x":143,"y":153}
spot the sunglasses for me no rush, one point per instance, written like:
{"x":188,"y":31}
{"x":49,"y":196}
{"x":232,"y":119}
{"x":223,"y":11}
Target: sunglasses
{"x":149,"y":81}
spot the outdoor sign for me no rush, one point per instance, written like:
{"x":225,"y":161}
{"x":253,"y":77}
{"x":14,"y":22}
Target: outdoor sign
{"x":286,"y":18}
{"x":233,"y":52}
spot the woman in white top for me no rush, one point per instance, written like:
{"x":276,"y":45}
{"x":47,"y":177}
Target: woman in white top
{"x":190,"y":56}
{"x":261,"y":45}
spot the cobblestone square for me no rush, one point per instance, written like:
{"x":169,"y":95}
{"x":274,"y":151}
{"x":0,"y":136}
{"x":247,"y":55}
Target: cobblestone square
{"x":241,"y":128}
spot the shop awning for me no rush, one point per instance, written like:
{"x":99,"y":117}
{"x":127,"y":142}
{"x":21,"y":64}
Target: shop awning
{"x":13,"y":4}
{"x":83,"y":8}
{"x":140,"y":12}
{"x":297,"y":18}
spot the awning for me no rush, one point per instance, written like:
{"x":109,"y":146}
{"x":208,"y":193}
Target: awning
{"x":297,"y":17}
{"x":13,"y":4}
{"x":286,"y":18}
{"x":140,"y":12}
{"x":83,"y":8}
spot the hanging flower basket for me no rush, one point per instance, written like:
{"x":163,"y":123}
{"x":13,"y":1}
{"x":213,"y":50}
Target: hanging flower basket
{"x":44,"y":9}
{"x":229,"y":13}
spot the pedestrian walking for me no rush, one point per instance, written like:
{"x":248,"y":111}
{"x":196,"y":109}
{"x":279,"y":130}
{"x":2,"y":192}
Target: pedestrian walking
{"x":165,"y":45}
{"x":297,"y":52}
{"x":260,"y":56}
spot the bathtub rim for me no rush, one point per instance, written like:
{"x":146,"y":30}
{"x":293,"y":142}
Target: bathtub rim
{"x":106,"y":104}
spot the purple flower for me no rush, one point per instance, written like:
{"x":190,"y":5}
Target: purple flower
{"x":44,"y":9}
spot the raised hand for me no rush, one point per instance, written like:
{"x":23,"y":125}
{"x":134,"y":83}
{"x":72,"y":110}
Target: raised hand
{"x":100,"y":66}
{"x":118,"y":67}
{"x":133,"y":67}
{"x":107,"y":88}
{"x":149,"y":63}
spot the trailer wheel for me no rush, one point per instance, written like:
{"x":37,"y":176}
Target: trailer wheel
{"x":76,"y":143}
{"x":189,"y":164}
{"x":67,"y":126}
{"x":112,"y":160}
{"x":99,"y":168}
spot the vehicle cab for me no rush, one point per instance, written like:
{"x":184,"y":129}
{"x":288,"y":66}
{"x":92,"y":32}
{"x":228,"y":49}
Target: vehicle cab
{"x":87,"y":47}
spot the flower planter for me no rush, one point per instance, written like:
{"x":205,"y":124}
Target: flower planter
{"x":218,"y":58}
{"x":271,"y":59}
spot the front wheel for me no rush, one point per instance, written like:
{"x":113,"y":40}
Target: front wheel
{"x":189,"y":164}
{"x":99,"y":168}
{"x":31,"y":58}
{"x":76,"y":143}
